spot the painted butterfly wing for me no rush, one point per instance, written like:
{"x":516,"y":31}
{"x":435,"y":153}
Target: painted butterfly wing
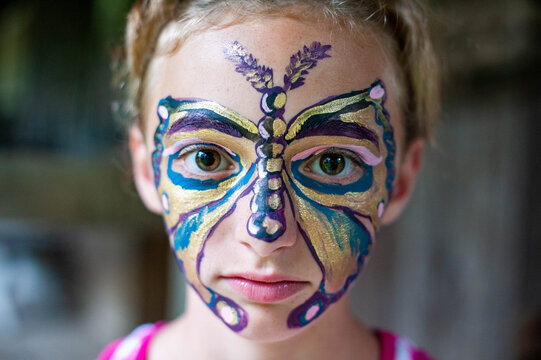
{"x":334,"y":217}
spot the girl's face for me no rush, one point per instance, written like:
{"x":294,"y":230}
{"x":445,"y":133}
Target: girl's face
{"x":274,"y":159}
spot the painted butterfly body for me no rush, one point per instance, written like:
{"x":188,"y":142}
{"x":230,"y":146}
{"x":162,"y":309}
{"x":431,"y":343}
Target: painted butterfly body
{"x":275,"y":162}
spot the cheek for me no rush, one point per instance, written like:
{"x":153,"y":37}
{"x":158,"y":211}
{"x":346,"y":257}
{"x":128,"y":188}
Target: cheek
{"x":190,"y":220}
{"x":339,"y":226}
{"x":339,"y":238}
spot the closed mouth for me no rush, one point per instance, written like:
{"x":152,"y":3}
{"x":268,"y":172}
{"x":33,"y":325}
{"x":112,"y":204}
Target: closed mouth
{"x":265,"y":289}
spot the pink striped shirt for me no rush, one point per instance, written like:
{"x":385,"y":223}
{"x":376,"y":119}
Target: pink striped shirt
{"x":135,"y":345}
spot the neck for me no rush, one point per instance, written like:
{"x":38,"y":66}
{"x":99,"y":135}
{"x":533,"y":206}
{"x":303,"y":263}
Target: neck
{"x":198,"y":334}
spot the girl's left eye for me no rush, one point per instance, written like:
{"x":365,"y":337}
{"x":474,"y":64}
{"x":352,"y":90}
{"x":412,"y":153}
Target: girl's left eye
{"x":334,"y":165}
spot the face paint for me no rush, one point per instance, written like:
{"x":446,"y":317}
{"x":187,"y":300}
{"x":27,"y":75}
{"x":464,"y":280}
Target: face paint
{"x":267,"y":221}
{"x":334,"y":212}
{"x":207,"y":157}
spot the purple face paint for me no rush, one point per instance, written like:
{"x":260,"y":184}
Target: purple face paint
{"x":333,"y":164}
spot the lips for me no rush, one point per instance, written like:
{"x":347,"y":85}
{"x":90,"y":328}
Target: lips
{"x":264,"y":289}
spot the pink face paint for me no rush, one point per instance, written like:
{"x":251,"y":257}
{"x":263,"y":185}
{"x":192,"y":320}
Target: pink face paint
{"x":165,"y":202}
{"x":365,"y":154}
{"x":377,"y":92}
{"x":162,"y":112}
{"x":312,"y":312}
{"x":381,"y":209}
{"x":333,"y":219}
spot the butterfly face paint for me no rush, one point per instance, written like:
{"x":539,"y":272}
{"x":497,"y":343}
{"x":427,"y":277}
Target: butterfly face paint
{"x":333,"y":164}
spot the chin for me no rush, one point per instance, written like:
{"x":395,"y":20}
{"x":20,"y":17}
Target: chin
{"x":268,"y":325}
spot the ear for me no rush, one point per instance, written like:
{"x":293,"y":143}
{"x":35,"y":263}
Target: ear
{"x":142,"y":171}
{"x":405,"y":181}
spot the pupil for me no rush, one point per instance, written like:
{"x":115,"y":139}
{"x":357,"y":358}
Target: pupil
{"x":332,"y":164}
{"x":207,"y":160}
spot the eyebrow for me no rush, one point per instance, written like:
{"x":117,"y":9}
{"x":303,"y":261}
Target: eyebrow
{"x":200,"y":118}
{"x":338,"y":116}
{"x":332,"y":125}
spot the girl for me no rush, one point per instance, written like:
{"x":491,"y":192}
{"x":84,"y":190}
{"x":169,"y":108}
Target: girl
{"x":275,"y":137}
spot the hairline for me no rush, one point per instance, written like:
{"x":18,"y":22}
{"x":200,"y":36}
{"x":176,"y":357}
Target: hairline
{"x":177,"y":32}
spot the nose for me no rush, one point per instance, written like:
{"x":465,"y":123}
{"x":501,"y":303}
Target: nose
{"x":286,"y":239}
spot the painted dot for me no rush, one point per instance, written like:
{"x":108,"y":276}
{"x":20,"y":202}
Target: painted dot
{"x":264,"y":105}
{"x":278,"y":127}
{"x":274,"y":164}
{"x":280,"y":100}
{"x":311,"y":312}
{"x":263,"y":132}
{"x":377,"y":92}
{"x":274,"y":201}
{"x":228,"y":314}
{"x":275,"y":183}
{"x":271,"y":226}
{"x":165,"y":202}
{"x":381,"y":208}
{"x":162,"y":111}
{"x":277,"y":149}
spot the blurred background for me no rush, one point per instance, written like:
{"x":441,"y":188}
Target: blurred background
{"x":82,"y":262}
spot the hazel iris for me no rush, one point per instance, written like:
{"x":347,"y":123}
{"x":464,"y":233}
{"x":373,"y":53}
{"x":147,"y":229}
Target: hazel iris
{"x":207,"y":160}
{"x":332,"y":164}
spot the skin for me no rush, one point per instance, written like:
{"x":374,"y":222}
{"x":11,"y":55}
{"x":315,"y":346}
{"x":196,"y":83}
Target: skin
{"x":198,"y":69}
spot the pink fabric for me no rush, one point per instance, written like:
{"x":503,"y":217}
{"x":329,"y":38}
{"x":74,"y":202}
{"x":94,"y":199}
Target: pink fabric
{"x":396,"y":347}
{"x":135,"y":345}
{"x":109,"y":350}
{"x":386,"y":344}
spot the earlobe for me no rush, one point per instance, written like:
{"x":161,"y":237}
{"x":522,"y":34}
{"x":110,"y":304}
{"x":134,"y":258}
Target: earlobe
{"x":142,"y":171}
{"x":405,"y":180}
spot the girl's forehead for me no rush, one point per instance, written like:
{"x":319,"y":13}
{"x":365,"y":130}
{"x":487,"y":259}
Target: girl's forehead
{"x":199,"y":68}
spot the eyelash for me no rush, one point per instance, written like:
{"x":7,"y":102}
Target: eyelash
{"x":185,"y":152}
{"x":348,"y":155}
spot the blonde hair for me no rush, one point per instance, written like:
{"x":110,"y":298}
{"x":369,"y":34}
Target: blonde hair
{"x":162,"y":25}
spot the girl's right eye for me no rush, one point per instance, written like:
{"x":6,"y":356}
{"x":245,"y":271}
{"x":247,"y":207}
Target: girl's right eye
{"x":204,"y":161}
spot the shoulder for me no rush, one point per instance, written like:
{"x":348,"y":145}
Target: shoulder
{"x":133,"y":346}
{"x":397,"y":347}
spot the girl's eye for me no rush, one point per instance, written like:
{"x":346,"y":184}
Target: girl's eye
{"x":334,"y":165}
{"x":204,"y":161}
{"x":208,"y":160}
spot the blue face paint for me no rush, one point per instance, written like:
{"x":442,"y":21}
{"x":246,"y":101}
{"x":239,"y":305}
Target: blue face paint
{"x":273,"y":162}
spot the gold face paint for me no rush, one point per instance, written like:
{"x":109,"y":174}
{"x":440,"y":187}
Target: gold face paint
{"x":335,"y":213}
{"x":334,"y":161}
{"x":197,"y":203}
